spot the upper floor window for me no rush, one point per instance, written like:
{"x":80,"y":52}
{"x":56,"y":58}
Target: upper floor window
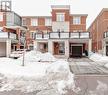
{"x":24,"y":22}
{"x":60,"y":17}
{"x":76,"y":20}
{"x":48,"y":21}
{"x":1,"y":17}
{"x":34,"y":22}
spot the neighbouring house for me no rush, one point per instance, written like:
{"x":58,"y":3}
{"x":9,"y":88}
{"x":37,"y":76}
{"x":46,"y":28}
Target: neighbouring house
{"x":61,"y":33}
{"x":11,"y":30}
{"x":99,"y":32}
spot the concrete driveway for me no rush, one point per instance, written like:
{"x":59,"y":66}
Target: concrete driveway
{"x":84,"y":65}
{"x":91,"y":78}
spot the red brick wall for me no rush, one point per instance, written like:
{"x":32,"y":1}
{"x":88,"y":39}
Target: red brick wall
{"x":97,"y":29}
{"x":3,"y":23}
{"x":81,"y":26}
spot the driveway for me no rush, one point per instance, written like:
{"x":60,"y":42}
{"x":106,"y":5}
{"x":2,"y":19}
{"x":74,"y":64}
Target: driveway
{"x":84,"y":65}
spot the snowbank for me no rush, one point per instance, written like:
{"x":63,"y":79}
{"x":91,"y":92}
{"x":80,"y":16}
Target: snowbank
{"x":10,"y":67}
{"x":99,"y":58}
{"x":106,"y":65}
{"x":45,"y":77}
{"x":58,"y":66}
{"x":36,"y":56}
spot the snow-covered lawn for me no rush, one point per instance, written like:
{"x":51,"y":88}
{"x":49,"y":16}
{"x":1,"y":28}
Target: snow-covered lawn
{"x":42,"y":72}
{"x":99,"y":58}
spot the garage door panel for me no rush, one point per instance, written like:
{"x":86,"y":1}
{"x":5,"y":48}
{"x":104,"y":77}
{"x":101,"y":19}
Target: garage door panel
{"x":2,"y":49}
{"x":76,"y":51}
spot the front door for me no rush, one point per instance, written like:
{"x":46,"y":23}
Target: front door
{"x":56,"y":48}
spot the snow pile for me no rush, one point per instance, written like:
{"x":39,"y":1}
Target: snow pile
{"x":106,"y":65}
{"x":98,"y":57}
{"x":47,"y":57}
{"x":31,"y":56}
{"x":58,"y":66}
{"x":10,"y":67}
{"x":48,"y":78}
{"x":59,"y":71}
{"x":36,"y":56}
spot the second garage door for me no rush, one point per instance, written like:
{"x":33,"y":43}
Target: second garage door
{"x":2,"y":49}
{"x":76,"y":51}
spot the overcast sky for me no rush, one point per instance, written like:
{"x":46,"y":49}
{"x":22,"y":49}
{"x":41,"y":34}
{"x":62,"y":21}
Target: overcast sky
{"x":42,"y":7}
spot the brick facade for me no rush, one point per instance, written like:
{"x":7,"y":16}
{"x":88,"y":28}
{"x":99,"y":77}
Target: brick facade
{"x":97,"y":29}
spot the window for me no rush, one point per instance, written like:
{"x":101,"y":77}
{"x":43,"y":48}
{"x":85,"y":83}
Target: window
{"x":32,"y":34}
{"x":76,"y":20}
{"x":24,"y":22}
{"x":61,"y":48}
{"x":1,"y":16}
{"x":48,"y":21}
{"x":34,"y":22}
{"x":60,"y":17}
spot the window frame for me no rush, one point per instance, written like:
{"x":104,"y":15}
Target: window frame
{"x":60,"y":17}
{"x":48,"y":22}
{"x":34,"y":21}
{"x":76,"y":20}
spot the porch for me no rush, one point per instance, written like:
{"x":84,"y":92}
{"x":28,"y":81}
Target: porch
{"x":63,"y":43}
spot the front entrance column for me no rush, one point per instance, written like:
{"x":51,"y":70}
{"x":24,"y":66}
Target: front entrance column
{"x":50,"y":46}
{"x":35,"y":45}
{"x":104,"y":47}
{"x":8,"y":48}
{"x":67,"y":49}
{"x":18,"y":36}
{"x":90,"y":45}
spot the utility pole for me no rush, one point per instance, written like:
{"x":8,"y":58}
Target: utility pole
{"x":23,"y":63}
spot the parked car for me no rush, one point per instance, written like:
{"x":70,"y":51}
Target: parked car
{"x":16,"y":54}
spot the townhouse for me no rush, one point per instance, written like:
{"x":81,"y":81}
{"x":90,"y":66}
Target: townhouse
{"x":99,"y":32}
{"x":62,"y":33}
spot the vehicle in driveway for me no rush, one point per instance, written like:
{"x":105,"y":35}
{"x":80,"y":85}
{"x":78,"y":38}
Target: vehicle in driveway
{"x":16,"y":54}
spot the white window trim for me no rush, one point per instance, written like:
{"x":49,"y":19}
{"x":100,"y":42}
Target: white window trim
{"x":75,"y":18}
{"x":1,"y":17}
{"x":60,"y":20}
{"x":48,"y":22}
{"x":34,"y":23}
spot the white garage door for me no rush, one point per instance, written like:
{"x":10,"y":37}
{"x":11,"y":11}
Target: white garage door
{"x":2,"y":49}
